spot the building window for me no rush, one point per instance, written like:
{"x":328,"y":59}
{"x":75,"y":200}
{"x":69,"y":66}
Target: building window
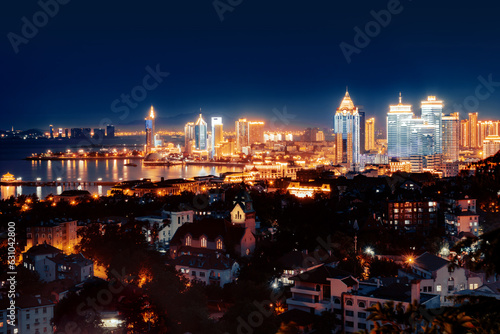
{"x":362,"y":315}
{"x":362,"y":304}
{"x":348,"y":302}
{"x":349,"y":313}
{"x":193,"y":273}
{"x":202,"y":274}
{"x":361,"y":326}
{"x":219,"y":244}
{"x":336,"y":301}
{"x":27,"y":326}
{"x":349,"y":324}
{"x":438,"y":288}
{"x":203,"y":242}
{"x":188,"y":240}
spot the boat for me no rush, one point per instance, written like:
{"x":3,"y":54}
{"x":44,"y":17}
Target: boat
{"x":130,"y":164}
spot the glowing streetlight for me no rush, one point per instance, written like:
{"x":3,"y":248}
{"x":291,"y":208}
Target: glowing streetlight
{"x":369,"y":251}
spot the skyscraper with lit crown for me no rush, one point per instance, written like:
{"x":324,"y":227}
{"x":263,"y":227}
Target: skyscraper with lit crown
{"x":347,"y":121}
{"x":150,"y":130}
{"x":200,"y":134}
{"x":399,"y":121}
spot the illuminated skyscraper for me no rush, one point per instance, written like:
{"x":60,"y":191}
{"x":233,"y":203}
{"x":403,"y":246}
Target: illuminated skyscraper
{"x":150,"y":130}
{"x":242,"y":133}
{"x":217,"y":133}
{"x":399,"y":120}
{"x":200,"y":134}
{"x":347,"y":121}
{"x":51,"y":131}
{"x":255,"y":132}
{"x":370,"y":134}
{"x":432,"y":113}
{"x":474,"y":143}
{"x":464,"y":133}
{"x":451,"y":137}
{"x":188,"y":137}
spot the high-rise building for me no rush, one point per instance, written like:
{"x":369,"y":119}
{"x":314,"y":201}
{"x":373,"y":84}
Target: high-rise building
{"x":432,"y":113}
{"x":451,"y":137}
{"x":422,"y":138}
{"x":347,"y":121}
{"x":464,"y":133}
{"x":399,"y":120}
{"x":339,"y":151}
{"x":491,"y":145}
{"x":362,"y":131}
{"x":200,"y":134}
{"x":66,"y":132}
{"x":51,"y":131}
{"x":60,"y":133}
{"x":370,"y":134}
{"x":99,"y":134}
{"x":310,"y":134}
{"x":188,"y":137}
{"x":255,"y":132}
{"x":473,"y":130}
{"x":242,"y":134}
{"x":320,"y":136}
{"x":150,"y":130}
{"x":217,"y":133}
{"x":110,"y":131}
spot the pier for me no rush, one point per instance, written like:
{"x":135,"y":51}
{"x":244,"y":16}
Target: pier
{"x":58,"y":183}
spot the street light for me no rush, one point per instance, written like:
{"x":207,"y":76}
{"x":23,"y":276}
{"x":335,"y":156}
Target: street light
{"x":369,"y":251}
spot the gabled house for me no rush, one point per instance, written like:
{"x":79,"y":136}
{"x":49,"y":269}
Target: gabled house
{"x":210,"y":268}
{"x":440,"y":277}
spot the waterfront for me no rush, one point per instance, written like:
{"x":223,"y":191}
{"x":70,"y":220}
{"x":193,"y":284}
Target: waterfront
{"x":114,"y":170}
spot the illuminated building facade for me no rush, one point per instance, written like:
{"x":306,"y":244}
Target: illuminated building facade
{"x":150,"y":130}
{"x":451,"y":137}
{"x":399,"y":121}
{"x":347,"y":121}
{"x":432,"y":113}
{"x":464,"y":133}
{"x":412,"y":216}
{"x":242,"y":134}
{"x":110,"y":131}
{"x":370,"y":134}
{"x":491,"y":145}
{"x":200,"y":134}
{"x":473,"y":143}
{"x":307,"y":189}
{"x":188,"y":136}
{"x":256,"y":132}
{"x":217,"y":133}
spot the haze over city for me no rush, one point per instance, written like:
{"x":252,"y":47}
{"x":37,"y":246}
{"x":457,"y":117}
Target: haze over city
{"x":260,"y":56}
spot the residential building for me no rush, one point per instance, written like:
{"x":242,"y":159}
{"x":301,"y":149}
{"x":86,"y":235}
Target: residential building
{"x":440,"y":277}
{"x":60,"y":234}
{"x":33,"y":315}
{"x":211,"y":268}
{"x":412,"y":216}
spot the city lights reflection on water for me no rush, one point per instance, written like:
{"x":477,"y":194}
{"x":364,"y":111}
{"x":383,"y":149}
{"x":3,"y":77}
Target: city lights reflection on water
{"x":106,"y":170}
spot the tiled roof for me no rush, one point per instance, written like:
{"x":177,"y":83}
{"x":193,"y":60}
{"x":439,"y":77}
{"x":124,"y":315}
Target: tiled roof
{"x":321,"y":274}
{"x":430,"y":262}
{"x":207,"y":262}
{"x":42,"y":249}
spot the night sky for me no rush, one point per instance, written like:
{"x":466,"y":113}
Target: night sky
{"x":263,"y":55}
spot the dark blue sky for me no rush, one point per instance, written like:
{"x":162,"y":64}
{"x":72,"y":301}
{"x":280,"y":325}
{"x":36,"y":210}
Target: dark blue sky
{"x":261,"y":56}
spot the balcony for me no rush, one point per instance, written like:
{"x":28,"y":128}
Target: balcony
{"x":305,"y":291}
{"x":319,"y":307}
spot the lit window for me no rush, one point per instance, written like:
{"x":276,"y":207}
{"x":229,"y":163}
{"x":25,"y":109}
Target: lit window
{"x":438,"y":288}
{"x":188,"y":240}
{"x":203,"y":242}
{"x":219,"y":244}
